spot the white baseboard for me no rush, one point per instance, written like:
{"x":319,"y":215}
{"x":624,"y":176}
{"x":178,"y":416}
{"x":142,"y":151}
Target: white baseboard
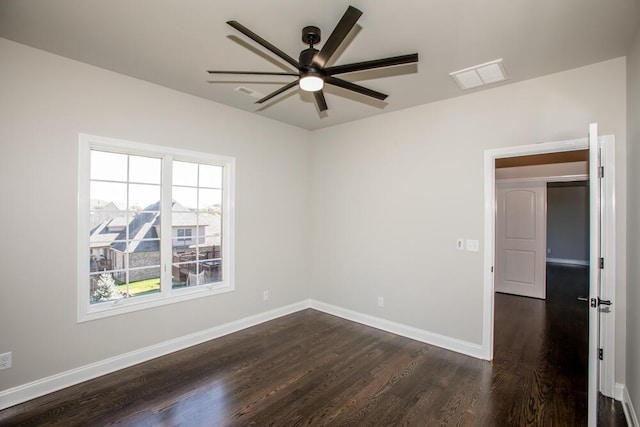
{"x":453,"y":344}
{"x":618,"y":392}
{"x":567,"y":261}
{"x":25,"y":392}
{"x":629,"y":411}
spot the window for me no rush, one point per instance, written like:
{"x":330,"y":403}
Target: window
{"x":155,"y":226}
{"x":184,"y":234}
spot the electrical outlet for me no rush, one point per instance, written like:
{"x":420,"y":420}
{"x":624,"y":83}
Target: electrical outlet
{"x":5,"y":360}
{"x":380,"y":302}
{"x":265,"y":295}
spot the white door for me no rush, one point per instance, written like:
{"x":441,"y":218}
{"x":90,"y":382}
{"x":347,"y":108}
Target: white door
{"x":594,"y":274}
{"x":521,"y":239}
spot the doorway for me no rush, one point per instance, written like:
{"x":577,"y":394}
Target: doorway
{"x":542,"y":211}
{"x":606,"y":375}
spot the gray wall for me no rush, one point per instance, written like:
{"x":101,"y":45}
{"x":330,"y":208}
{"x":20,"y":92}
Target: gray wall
{"x":633,"y":166}
{"x":568,"y":221}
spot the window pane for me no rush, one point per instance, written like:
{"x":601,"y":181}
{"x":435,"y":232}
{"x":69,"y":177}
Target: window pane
{"x":105,"y":229}
{"x":181,"y":272}
{"x":144,"y":170}
{"x":210,"y":271}
{"x":144,"y":253}
{"x":185,"y":173}
{"x":142,"y":282}
{"x":144,"y":197}
{"x":187,"y":198}
{"x":210,"y":224}
{"x":125,"y":225}
{"x":108,"y":166}
{"x":210,"y":176}
{"x":205,"y":252}
{"x":183,"y":238}
{"x":209,"y":200}
{"x":98,"y":205}
{"x":98,"y":261}
{"x":104,"y":287}
{"x":109,"y":192}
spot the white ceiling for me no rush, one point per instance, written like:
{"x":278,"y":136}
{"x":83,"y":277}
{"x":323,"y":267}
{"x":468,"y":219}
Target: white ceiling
{"x":172,"y":43}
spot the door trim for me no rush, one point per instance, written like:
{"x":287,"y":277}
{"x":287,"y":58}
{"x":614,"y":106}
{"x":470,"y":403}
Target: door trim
{"x":607,"y":373}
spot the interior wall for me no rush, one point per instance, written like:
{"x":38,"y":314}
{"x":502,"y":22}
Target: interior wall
{"x":568,"y":222}
{"x":391,"y":195}
{"x":46,"y":101}
{"x":633,"y":195}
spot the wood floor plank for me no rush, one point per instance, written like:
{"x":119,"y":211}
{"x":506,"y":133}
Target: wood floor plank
{"x":311,"y":368}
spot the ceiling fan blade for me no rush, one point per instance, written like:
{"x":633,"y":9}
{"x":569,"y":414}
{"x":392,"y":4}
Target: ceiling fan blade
{"x":253,"y":73}
{"x":318,"y":96}
{"x":277,"y":92}
{"x":262,"y":42}
{"x":346,"y":23}
{"x":354,"y":87}
{"x":368,"y":65}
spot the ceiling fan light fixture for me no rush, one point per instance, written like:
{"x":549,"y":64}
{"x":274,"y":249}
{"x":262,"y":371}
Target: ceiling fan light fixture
{"x":311,"y":83}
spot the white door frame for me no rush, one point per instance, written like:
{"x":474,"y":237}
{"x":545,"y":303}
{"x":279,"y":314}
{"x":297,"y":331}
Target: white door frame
{"x":607,"y":371}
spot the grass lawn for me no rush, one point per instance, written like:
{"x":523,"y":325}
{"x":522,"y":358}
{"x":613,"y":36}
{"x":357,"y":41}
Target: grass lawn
{"x":141,"y":287}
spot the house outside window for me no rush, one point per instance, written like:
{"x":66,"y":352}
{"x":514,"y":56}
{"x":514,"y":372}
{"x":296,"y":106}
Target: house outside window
{"x":157,"y":223}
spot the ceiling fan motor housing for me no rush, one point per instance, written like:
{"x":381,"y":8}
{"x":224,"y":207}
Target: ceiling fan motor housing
{"x":311,"y":35}
{"x":306,"y":58}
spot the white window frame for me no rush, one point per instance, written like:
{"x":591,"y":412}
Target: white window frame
{"x":167,"y":295}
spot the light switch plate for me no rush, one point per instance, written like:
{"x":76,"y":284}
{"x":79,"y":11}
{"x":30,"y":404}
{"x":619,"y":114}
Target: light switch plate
{"x":460,"y":244}
{"x":473,"y":245}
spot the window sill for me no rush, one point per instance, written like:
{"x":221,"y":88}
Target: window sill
{"x":128,"y":305}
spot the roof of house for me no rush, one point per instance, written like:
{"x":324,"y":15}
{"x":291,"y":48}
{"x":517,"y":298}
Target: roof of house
{"x":142,"y":230}
{"x":101,"y":211}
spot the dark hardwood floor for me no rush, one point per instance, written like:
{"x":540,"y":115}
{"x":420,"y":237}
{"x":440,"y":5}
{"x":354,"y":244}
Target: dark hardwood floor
{"x":311,"y":368}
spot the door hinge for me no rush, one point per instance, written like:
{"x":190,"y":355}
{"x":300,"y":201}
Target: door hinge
{"x":601,"y":171}
{"x":600,"y":354}
{"x":601,"y":263}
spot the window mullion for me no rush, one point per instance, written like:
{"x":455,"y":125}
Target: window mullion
{"x":127,"y":229}
{"x":166,"y":249}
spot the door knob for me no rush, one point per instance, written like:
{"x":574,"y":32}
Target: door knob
{"x":595,"y":303}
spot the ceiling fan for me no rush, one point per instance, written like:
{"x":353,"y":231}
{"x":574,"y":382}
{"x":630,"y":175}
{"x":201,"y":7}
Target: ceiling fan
{"x":312,"y":74}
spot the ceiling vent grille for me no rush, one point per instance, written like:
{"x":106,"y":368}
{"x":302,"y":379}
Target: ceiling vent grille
{"x":250,"y":92}
{"x":480,"y":75}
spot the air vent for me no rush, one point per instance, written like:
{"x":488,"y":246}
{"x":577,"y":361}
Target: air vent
{"x":480,"y":75}
{"x":250,"y":92}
